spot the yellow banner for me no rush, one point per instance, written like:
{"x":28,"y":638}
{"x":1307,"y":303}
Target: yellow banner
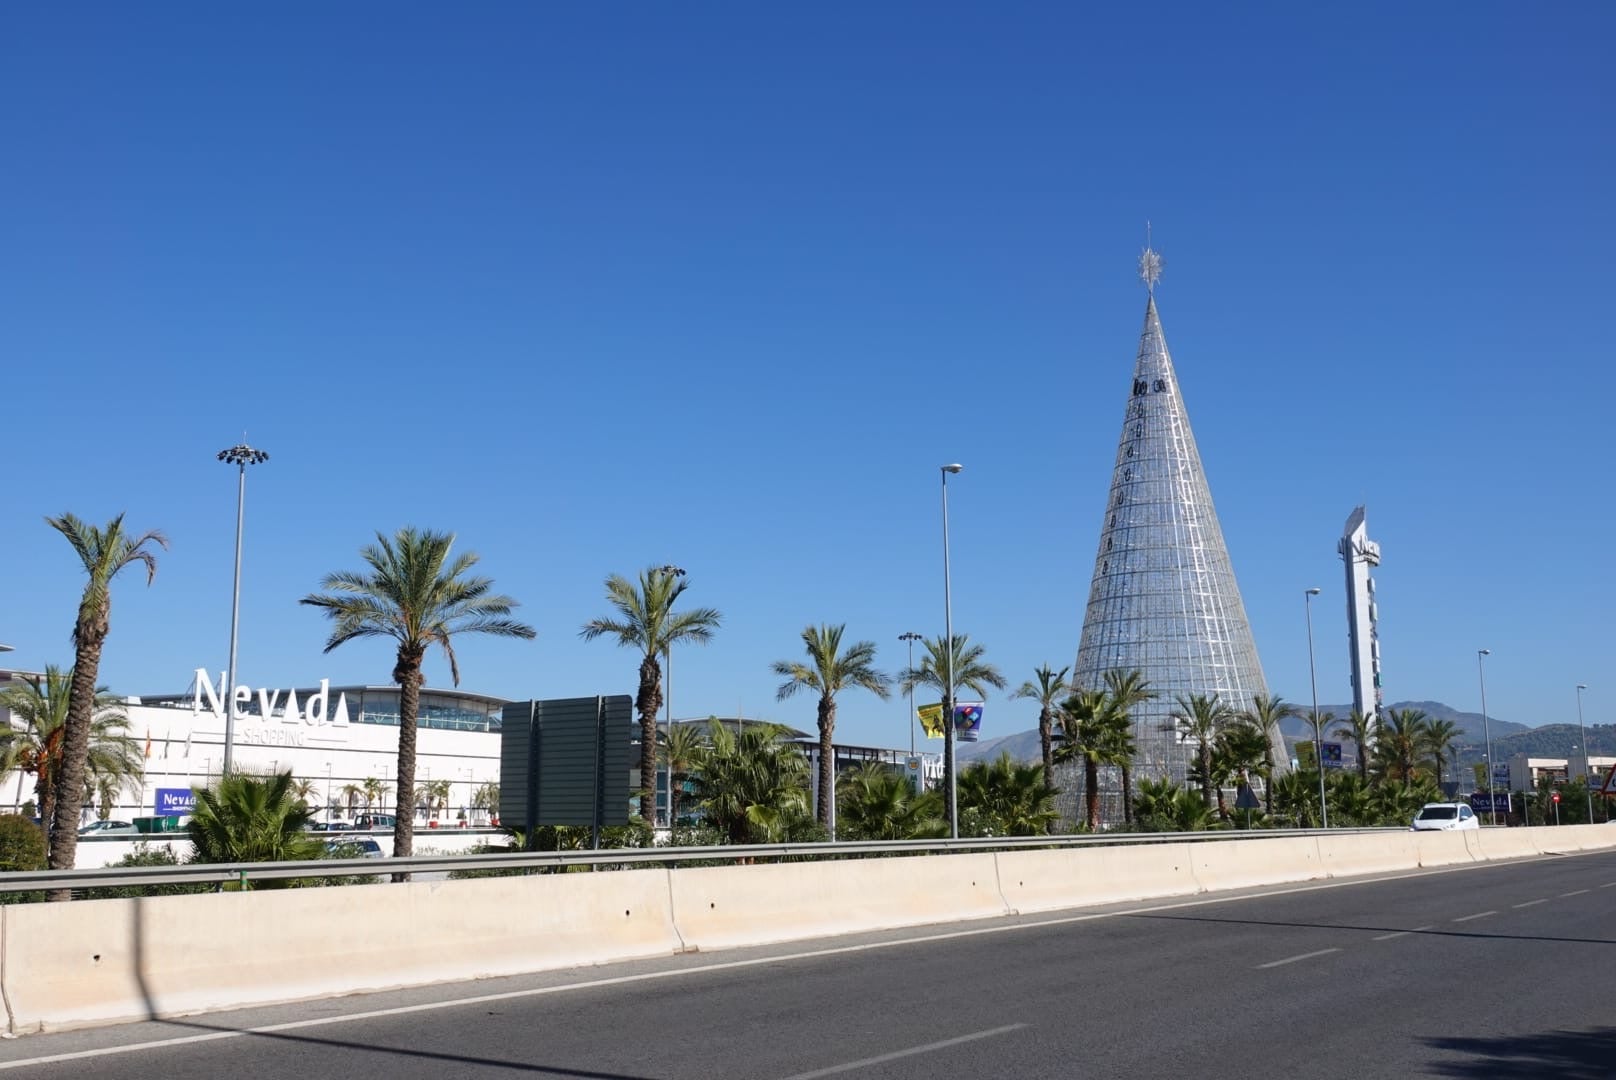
{"x":931,"y":720}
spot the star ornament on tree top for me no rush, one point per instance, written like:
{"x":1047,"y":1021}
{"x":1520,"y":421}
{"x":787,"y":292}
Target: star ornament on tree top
{"x":1150,"y":267}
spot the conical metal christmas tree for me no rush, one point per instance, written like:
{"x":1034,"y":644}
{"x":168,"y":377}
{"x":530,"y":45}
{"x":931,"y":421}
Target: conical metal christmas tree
{"x":1163,"y":598}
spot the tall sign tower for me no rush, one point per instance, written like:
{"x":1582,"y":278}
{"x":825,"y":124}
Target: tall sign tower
{"x":1163,"y":599}
{"x":1361,"y":554}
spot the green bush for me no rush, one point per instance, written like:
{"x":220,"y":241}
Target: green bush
{"x":145,"y":855}
{"x":22,"y":847}
{"x":22,"y":844}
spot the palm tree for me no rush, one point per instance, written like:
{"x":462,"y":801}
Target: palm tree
{"x":486,"y":797}
{"x":1242,"y":749}
{"x":829,"y":671}
{"x":1008,"y":798}
{"x":970,"y":672}
{"x":1097,"y":735}
{"x":1265,"y":715}
{"x":375,"y":791}
{"x":876,"y":802}
{"x":248,"y":818}
{"x":104,"y":553}
{"x":438,"y":794}
{"x":1360,"y":729}
{"x":1399,"y":744}
{"x":1047,"y":687}
{"x":1439,"y":737}
{"x":304,"y":790}
{"x":680,"y":749}
{"x":413,"y":593}
{"x":1203,"y":717}
{"x":753,"y":785}
{"x":1127,"y":689}
{"x":33,"y":742}
{"x":646,"y":622}
{"x":351,"y":794}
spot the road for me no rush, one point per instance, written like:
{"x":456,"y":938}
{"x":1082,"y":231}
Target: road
{"x":1499,"y":971}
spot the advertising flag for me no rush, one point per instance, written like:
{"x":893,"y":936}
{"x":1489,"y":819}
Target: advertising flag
{"x":931,"y":720}
{"x":967,"y":720}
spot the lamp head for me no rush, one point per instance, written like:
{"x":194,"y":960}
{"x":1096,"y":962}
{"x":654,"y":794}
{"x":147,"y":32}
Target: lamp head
{"x":1313,"y":592}
{"x":953,"y":468}
{"x":1484,"y":652}
{"x":1582,"y":686}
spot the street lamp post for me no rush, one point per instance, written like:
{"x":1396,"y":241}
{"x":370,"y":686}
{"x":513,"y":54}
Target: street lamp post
{"x":948,"y":671}
{"x":667,"y":686}
{"x":1318,"y":734}
{"x":1487,"y":734}
{"x":241,"y":455}
{"x":911,"y":637}
{"x":1587,"y":766}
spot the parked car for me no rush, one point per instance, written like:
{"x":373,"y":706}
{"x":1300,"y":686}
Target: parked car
{"x":376,"y":821}
{"x":109,"y":828}
{"x":1445,"y":816}
{"x":358,"y":848}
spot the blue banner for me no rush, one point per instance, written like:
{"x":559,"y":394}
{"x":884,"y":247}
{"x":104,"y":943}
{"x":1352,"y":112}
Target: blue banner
{"x":967,"y":720}
{"x":174,"y":801}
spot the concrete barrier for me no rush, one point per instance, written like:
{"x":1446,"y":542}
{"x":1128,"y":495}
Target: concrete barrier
{"x":1241,"y":864}
{"x":1442,"y":848}
{"x":1074,"y":877}
{"x":67,"y":965}
{"x":1347,"y":854}
{"x":1490,"y":844}
{"x":721,"y":906}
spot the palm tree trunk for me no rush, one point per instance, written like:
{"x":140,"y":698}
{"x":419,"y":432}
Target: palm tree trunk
{"x":1268,"y":779}
{"x":1091,"y":793}
{"x":64,"y":834}
{"x":407,"y":673}
{"x":648,"y":702}
{"x":1363,"y":764}
{"x":1046,"y":726}
{"x":1127,"y":794}
{"x":827,"y":764}
{"x":46,"y":791}
{"x":1223,"y":804}
{"x":1206,"y":774}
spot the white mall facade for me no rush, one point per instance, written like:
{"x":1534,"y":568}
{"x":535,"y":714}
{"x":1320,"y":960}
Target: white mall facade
{"x":332,"y":736}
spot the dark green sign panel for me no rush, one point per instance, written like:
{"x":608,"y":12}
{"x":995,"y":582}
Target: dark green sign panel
{"x":566,"y":761}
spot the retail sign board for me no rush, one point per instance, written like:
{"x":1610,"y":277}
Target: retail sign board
{"x":566,"y":761}
{"x":171,"y":801}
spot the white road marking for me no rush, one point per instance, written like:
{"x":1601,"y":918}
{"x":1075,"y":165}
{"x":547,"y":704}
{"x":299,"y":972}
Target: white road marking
{"x":1574,"y":892}
{"x":864,"y":1063}
{"x":1477,"y":915}
{"x":1294,"y":959}
{"x":730,"y":965}
{"x":1401,"y":933}
{"x":1609,"y":885}
{"x":1532,"y":903}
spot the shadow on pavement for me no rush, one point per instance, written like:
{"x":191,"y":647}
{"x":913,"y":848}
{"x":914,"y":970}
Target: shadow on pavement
{"x":1428,"y":932}
{"x":1563,"y":1055}
{"x":466,"y":1062}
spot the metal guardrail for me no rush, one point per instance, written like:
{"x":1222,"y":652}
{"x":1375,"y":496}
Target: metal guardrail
{"x":242,"y":873}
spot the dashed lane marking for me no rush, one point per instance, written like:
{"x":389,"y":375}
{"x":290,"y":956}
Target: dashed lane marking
{"x":1477,"y":915}
{"x":1294,"y":959}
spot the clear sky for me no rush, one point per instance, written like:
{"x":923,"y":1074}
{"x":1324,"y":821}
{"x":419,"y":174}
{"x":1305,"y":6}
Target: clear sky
{"x":605,"y":286}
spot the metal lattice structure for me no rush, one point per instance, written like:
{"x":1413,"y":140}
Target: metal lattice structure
{"x":1164,"y":598}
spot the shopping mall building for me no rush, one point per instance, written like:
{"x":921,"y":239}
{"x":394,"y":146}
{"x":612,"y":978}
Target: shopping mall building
{"x":336,"y":737}
{"x":340,"y":737}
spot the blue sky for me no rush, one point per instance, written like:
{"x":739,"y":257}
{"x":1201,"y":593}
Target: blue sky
{"x":721,"y":284}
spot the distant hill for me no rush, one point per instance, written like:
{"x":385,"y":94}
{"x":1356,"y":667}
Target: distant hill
{"x":1508,"y":737}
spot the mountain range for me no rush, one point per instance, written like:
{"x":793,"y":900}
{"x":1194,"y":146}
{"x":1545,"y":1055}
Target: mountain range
{"x":1509,"y":737}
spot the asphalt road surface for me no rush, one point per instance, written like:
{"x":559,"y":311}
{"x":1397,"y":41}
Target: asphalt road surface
{"x":1499,"y":971}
